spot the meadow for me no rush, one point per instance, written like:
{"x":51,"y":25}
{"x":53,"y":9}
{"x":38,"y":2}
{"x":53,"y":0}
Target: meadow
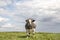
{"x":22,"y":36}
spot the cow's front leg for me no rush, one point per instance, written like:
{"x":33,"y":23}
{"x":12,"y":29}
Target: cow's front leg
{"x":33,"y":31}
{"x":28,"y":33}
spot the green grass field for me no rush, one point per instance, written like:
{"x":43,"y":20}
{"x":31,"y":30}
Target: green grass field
{"x":22,"y":36}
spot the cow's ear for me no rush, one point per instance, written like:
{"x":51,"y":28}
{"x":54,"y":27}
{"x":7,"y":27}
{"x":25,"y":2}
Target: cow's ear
{"x":33,"y":21}
{"x":26,"y":20}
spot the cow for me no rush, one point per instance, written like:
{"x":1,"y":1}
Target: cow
{"x":30,"y":26}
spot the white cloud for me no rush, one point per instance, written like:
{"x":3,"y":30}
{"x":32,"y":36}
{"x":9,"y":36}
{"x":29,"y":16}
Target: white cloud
{"x":6,"y":12}
{"x":26,"y":3}
{"x":23,"y":6}
{"x":3,"y":19}
{"x":46,"y":8}
{"x":5,"y":2}
{"x":3,"y":11}
{"x":46,"y":4}
{"x":7,"y":25}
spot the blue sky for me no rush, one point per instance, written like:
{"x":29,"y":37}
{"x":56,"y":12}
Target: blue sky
{"x":13,"y":14}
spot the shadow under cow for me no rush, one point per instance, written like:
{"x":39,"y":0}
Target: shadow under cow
{"x":22,"y":36}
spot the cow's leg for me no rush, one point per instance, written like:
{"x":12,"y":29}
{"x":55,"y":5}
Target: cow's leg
{"x":33,"y":31}
{"x":28,"y":32}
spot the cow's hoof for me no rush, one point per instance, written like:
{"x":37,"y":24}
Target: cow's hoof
{"x":27,"y":37}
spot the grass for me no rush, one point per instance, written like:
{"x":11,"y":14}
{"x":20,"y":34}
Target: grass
{"x":22,"y":36}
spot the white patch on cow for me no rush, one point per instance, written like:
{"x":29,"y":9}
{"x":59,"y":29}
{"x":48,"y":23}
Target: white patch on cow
{"x":30,"y":21}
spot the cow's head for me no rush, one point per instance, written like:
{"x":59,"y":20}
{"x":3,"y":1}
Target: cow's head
{"x":30,"y":20}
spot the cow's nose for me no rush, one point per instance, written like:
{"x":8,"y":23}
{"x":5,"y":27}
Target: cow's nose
{"x":30,"y":21}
